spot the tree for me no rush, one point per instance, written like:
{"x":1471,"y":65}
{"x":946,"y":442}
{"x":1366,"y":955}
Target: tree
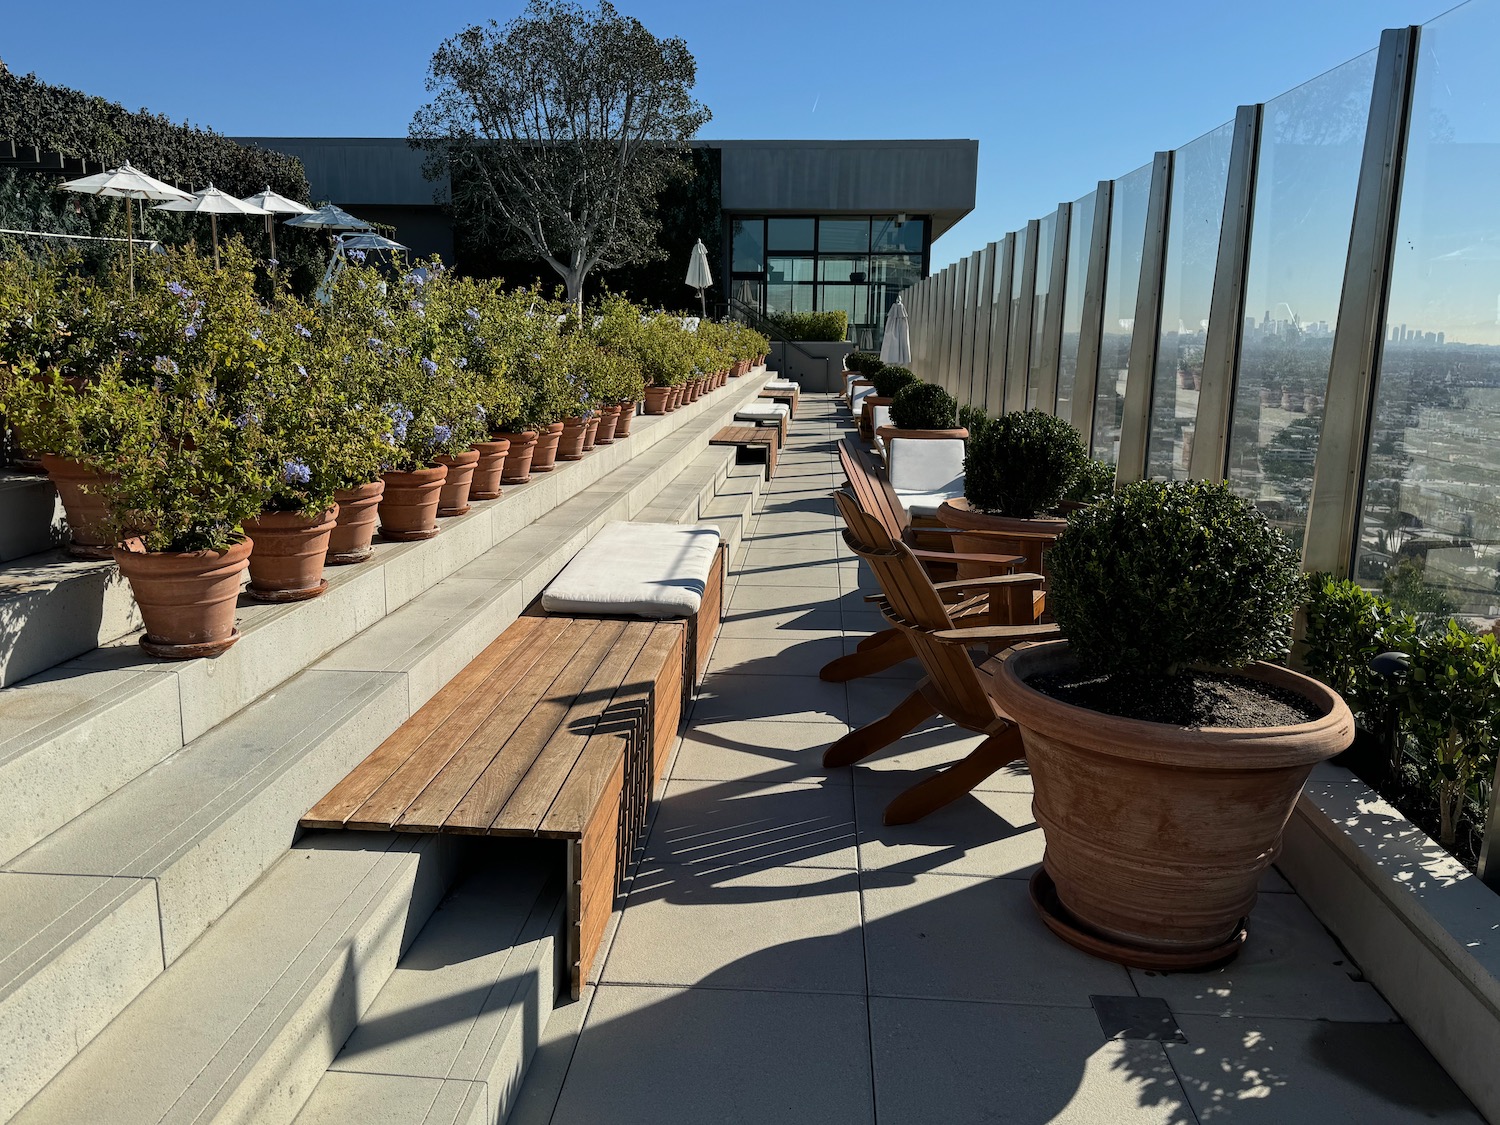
{"x":557,"y":131}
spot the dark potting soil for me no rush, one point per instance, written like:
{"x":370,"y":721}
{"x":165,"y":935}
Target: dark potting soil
{"x":1194,"y":699}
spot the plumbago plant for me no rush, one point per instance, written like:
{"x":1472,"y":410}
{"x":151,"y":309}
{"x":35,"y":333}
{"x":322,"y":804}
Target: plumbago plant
{"x":55,"y":320}
{"x":615,"y":325}
{"x":540,"y":355}
{"x":664,"y":351}
{"x":484,"y":340}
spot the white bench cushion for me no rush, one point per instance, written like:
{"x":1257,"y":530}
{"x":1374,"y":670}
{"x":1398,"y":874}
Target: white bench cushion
{"x":652,"y":570}
{"x":763,"y":412}
{"x":781,"y":385}
{"x":859,"y":395}
{"x":925,"y":471}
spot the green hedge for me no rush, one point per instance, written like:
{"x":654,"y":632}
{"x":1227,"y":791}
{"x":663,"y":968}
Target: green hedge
{"x":831,"y":326}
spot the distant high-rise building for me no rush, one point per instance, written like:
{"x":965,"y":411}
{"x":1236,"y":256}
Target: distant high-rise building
{"x":1440,"y":337}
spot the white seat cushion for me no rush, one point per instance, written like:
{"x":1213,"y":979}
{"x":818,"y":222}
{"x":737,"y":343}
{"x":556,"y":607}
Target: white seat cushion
{"x":927,"y":503}
{"x":782,"y":385}
{"x":859,"y":396}
{"x":763,"y":412}
{"x":652,"y":570}
{"x":925,"y":471}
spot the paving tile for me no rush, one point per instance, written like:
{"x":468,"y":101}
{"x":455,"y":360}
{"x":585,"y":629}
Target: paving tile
{"x":671,"y":1056}
{"x":720,"y":825}
{"x":1259,"y":1071}
{"x":788,"y":699}
{"x":1290,"y":967}
{"x":774,"y":656}
{"x":929,"y":748}
{"x":764,"y":752}
{"x":783,"y":928}
{"x":952,"y":937}
{"x":794,"y":623}
{"x":759,"y":571}
{"x":1014,"y":1063}
{"x":985,"y":833}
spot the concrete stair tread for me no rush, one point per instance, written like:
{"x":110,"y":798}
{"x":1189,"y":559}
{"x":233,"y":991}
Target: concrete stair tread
{"x":232,"y":1027}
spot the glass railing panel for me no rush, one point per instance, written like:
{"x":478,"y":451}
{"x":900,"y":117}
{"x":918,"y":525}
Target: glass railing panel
{"x":1311,"y":143}
{"x":1430,"y":526}
{"x":1200,"y":176}
{"x":1046,"y":236}
{"x":1080,"y":233}
{"x":1122,"y":278}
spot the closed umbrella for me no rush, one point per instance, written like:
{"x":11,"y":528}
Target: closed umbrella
{"x":213,"y":203}
{"x":273,"y":204}
{"x":128,"y":184}
{"x":895,"y":345}
{"x":698,"y":276}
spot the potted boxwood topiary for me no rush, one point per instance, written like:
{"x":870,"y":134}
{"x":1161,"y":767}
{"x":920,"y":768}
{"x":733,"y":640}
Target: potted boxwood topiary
{"x":885,"y":382}
{"x":1166,"y":755}
{"x":1095,"y":480}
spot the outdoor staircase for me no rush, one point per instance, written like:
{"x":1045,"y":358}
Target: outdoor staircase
{"x":170,"y":949}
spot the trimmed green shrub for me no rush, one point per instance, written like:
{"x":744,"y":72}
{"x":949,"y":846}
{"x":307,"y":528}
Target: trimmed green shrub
{"x":829,"y":326}
{"x":923,"y":406}
{"x":1162,"y":576}
{"x":1022,"y":464}
{"x":973,"y":418}
{"x":866,"y":363}
{"x":1346,"y":627}
{"x":1094,"y":480}
{"x":890,"y":379}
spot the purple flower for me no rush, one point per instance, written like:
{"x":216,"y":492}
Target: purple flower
{"x":428,"y":366}
{"x":357,"y":255}
{"x":130,"y":334}
{"x":256,"y":334}
{"x":301,"y":371}
{"x":295,"y":472}
{"x":441,"y":433}
{"x":303,"y":332}
{"x":190,"y":330}
{"x":373,"y":344}
{"x":400,"y":419}
{"x":273,"y":262}
{"x":164,"y":365}
{"x":472,"y":314}
{"x":417,"y":307}
{"x":248,"y":418}
{"x":177,"y":289}
{"x":480,"y":414}
{"x":461,"y":363}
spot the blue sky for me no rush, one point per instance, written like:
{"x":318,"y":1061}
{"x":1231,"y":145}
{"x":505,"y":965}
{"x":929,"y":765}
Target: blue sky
{"x":1059,"y":93}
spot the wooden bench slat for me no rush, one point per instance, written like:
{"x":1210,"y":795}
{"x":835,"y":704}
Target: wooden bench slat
{"x":481,"y":805}
{"x":537,"y":790}
{"x":429,"y":811}
{"x":346,"y":798}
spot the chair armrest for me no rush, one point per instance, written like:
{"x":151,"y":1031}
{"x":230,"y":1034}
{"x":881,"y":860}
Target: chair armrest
{"x":962,"y":556}
{"x":990,"y":582}
{"x":990,"y":634}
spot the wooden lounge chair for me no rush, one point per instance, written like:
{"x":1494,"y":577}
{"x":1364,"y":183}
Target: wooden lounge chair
{"x":955,"y":687}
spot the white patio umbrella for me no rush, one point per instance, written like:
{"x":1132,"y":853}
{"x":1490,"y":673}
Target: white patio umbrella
{"x":895,"y":345}
{"x":274,"y":204}
{"x":366,"y":240}
{"x":329,"y":217}
{"x":698,"y":276}
{"x":213,"y":203}
{"x":128,"y":184}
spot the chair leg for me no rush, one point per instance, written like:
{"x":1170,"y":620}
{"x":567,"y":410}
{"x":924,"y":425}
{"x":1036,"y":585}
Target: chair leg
{"x":931,"y":794}
{"x":861,"y":743}
{"x":890,"y":648}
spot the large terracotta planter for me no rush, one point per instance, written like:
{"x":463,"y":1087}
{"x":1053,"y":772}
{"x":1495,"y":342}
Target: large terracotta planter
{"x":658,"y":401}
{"x":608,"y":419}
{"x":453,"y":499}
{"x":286,"y":563}
{"x":187,"y":598}
{"x":574,"y":434}
{"x":489,"y":468}
{"x":544,"y":457}
{"x":354,"y":527}
{"x":79,"y":488}
{"x":627,"y":420}
{"x":998,"y":534}
{"x":591,"y":433}
{"x":408,"y":510}
{"x":1157,"y":836}
{"x":679,"y":396}
{"x":518,"y":458}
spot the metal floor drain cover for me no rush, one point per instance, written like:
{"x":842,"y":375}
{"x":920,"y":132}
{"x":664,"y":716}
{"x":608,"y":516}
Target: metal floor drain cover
{"x":1136,"y":1017}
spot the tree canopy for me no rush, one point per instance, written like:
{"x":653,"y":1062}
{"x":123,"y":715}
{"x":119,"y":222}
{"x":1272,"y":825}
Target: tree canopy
{"x":557,"y":131}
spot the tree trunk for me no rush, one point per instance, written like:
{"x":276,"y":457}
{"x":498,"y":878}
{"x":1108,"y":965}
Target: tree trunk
{"x":573,"y":279}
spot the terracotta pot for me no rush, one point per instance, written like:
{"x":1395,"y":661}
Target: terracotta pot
{"x":286,"y":563}
{"x":408,"y":510}
{"x":518,"y":458}
{"x":187,"y":598}
{"x":489,"y":468}
{"x":998,"y":534}
{"x":544,"y":457}
{"x":679,"y":396}
{"x":740,"y":368}
{"x":355,"y":525}
{"x":574,"y":434}
{"x":1157,"y":836}
{"x":608,"y":419}
{"x":627,"y":420}
{"x":658,"y":401}
{"x":591,"y":433}
{"x":453,"y":500}
{"x":79,"y":487}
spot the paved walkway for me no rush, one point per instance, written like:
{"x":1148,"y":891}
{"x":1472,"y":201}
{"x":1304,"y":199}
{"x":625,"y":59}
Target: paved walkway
{"x":783,"y":957}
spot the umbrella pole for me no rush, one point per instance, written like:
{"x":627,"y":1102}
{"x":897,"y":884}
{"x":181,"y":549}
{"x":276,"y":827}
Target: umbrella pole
{"x":213,"y":225}
{"x":703,"y":304}
{"x":130,"y":239}
{"x":271,"y":230}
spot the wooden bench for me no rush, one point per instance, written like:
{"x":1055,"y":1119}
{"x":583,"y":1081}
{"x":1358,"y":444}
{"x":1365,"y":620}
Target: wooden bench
{"x":787,"y":396}
{"x":748,"y":435}
{"x":558,"y":730}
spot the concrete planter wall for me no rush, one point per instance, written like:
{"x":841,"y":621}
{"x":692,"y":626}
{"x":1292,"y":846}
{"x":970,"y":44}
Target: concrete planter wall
{"x":815,"y":366}
{"x":1424,"y":930}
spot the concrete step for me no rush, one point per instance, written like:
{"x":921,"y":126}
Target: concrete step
{"x":243,"y":1026}
{"x":31,"y":516}
{"x":450,"y":1036}
{"x":55,"y":608}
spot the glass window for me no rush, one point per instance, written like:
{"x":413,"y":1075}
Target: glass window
{"x":908,"y":234}
{"x":1122,"y":278}
{"x":789,"y":234}
{"x":1080,"y":233}
{"x":780,"y":270}
{"x":1200,"y":176}
{"x":749,"y":245}
{"x":789,"y":298}
{"x":1430,"y":525}
{"x":840,"y":235}
{"x":843,"y":267}
{"x":853,"y":299}
{"x":1020,"y":334}
{"x":1311,"y":144}
{"x":1046,"y":236}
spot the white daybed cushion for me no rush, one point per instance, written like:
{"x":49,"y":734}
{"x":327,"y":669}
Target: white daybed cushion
{"x":858,"y":398}
{"x":763,"y":412}
{"x":655,"y":570}
{"x":925,"y":471}
{"x":782,"y":385}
